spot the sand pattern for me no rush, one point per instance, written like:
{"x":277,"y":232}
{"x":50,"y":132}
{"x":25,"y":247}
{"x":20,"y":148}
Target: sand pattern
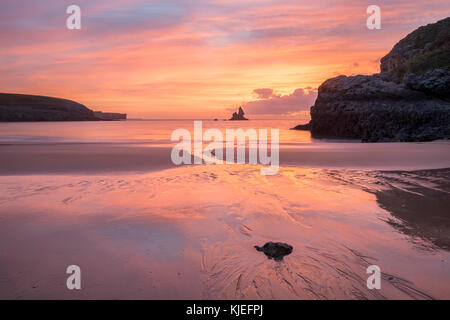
{"x":189,"y":233}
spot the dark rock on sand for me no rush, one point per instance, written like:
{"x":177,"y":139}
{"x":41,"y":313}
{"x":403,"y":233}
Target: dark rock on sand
{"x":407,"y":101}
{"x":239,"y":115}
{"x":275,"y":250}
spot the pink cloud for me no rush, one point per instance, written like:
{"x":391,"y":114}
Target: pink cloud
{"x":160,"y":58}
{"x":263,"y":93}
{"x":270,"y":103}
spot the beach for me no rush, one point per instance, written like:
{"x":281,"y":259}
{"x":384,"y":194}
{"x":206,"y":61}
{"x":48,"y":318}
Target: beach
{"x":140,"y":227}
{"x":224,"y":159}
{"x":91,"y":158}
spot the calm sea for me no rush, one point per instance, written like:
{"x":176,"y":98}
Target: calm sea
{"x":136,"y":131}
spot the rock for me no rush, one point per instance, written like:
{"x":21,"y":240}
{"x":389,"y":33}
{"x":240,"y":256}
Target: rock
{"x":110,"y":116}
{"x":407,"y":101}
{"x":306,"y":127}
{"x":239,"y":115}
{"x":374,"y":110}
{"x":275,"y":250}
{"x":21,"y":107}
{"x":424,"y":49}
{"x":434,"y":82}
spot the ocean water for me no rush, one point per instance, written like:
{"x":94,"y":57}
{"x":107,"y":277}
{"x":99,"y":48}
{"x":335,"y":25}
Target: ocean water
{"x":136,"y":131}
{"x":104,"y":143}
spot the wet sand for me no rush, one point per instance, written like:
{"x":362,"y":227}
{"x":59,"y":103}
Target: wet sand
{"x":92,"y":158}
{"x":60,"y":158}
{"x":189,"y":232}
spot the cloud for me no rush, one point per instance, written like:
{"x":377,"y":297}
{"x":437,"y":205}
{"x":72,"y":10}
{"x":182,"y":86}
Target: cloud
{"x":176,"y":58}
{"x":271,"y":103}
{"x":263,"y":93}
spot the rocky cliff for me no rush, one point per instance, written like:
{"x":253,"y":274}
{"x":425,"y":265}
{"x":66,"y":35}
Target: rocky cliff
{"x":407,"y":101}
{"x":421,"y":51}
{"x":110,"y":116}
{"x":21,"y":107}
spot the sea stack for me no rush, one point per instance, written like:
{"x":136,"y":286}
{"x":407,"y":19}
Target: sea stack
{"x":239,"y":115}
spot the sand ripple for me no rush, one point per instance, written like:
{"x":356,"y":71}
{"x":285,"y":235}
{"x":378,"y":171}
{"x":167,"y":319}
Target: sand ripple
{"x":189,"y":233}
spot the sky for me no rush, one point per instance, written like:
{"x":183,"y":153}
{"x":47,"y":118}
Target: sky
{"x":197,"y":59}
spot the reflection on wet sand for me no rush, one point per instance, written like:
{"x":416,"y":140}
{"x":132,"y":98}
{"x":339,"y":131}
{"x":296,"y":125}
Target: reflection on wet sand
{"x":190,"y":233}
{"x":421,"y":211}
{"x":418,"y":201}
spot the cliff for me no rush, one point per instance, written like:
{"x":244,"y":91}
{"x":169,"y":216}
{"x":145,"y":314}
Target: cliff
{"x":407,"y":101}
{"x":22,"y":107}
{"x":110,"y":116}
{"x":421,"y":51}
{"x":373,"y":109}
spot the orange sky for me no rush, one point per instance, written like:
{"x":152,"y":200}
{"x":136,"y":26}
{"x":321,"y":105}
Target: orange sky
{"x":197,"y":59}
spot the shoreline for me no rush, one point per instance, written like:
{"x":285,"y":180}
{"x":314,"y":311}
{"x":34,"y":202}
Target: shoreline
{"x":102,"y":158}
